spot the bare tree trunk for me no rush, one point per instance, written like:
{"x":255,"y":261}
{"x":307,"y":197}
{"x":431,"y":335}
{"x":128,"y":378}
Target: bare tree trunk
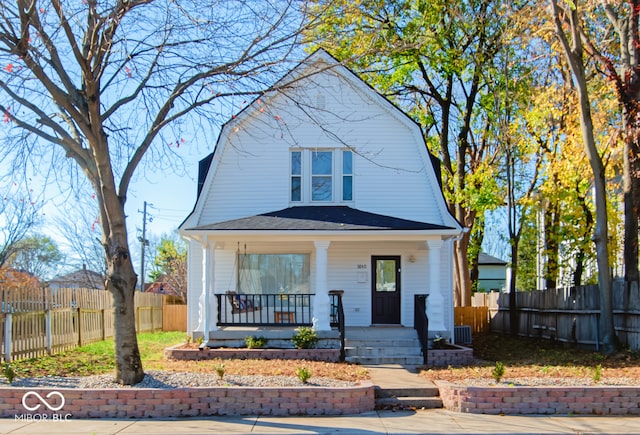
{"x":121,"y":276}
{"x":514,"y":318}
{"x":551,"y":223}
{"x":631,"y":212}
{"x":462,"y":275}
{"x":121,"y":282}
{"x":574,"y":52}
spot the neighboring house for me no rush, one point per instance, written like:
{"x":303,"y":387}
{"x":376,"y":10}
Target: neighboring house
{"x":321,"y":185}
{"x":82,"y":278}
{"x":492,"y":273}
{"x":163,"y":287}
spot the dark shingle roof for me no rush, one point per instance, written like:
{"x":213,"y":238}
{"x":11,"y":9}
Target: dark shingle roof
{"x":488,"y":260}
{"x":321,"y":218}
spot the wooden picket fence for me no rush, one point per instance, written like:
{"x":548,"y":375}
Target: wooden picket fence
{"x":35,"y":322}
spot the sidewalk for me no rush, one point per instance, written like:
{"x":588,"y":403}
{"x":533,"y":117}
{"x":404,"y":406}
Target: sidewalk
{"x":381,"y":422}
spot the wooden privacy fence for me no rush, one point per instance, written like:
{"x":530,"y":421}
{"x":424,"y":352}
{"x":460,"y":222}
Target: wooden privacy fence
{"x":475,"y":317}
{"x":174,"y":317}
{"x":570,"y":315}
{"x":36,"y":322}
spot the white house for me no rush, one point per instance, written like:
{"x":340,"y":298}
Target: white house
{"x":320,"y":185}
{"x":492,"y":273}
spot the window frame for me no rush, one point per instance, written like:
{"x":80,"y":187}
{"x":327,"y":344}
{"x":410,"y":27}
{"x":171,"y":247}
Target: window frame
{"x":338,"y":176}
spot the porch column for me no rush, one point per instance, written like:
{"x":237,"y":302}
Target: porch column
{"x":435,"y":301}
{"x":321,"y":304}
{"x":208,"y":302}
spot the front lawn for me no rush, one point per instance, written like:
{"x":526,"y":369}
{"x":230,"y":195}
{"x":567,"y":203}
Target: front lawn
{"x":99,"y":358}
{"x":537,"y":358}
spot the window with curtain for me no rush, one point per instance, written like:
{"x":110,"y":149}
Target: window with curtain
{"x":273,"y":273}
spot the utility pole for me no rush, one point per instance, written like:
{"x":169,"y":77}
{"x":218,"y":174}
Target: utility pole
{"x":143,"y":242}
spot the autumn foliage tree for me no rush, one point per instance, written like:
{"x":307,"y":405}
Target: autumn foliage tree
{"x":110,"y":87}
{"x":170,"y":266}
{"x":437,"y":60}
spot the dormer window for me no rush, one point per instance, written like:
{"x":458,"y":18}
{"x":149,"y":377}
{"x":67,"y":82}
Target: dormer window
{"x":321,"y":175}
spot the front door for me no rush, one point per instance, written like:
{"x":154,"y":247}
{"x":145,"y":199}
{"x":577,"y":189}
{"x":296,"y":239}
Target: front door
{"x":385,"y":289}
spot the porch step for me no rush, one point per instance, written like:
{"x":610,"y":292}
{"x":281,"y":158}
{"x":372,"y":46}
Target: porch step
{"x":378,"y":345}
{"x":376,"y":360}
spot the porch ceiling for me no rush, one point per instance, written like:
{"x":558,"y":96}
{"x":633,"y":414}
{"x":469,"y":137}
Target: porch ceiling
{"x":321,"y":218}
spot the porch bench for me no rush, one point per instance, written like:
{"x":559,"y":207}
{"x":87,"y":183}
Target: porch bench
{"x":240,"y":304}
{"x":281,"y":316}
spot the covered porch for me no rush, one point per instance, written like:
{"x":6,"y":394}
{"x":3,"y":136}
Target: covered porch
{"x":278,"y":269}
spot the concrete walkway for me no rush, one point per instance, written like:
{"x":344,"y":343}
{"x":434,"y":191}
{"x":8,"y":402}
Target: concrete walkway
{"x":394,"y":376}
{"x":381,"y":422}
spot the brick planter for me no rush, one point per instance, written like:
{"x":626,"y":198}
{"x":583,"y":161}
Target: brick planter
{"x":184,"y":402}
{"x":612,"y":400}
{"x":182,"y":353}
{"x":455,"y":356}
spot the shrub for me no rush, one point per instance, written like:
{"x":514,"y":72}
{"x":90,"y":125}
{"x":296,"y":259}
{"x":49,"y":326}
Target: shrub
{"x":498,"y":371}
{"x":303,"y":374}
{"x":8,"y":372}
{"x":597,"y":373}
{"x":254,"y":342}
{"x":220,"y":370}
{"x":305,"y":338}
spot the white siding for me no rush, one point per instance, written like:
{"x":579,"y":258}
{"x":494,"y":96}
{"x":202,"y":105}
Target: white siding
{"x":392,"y":176}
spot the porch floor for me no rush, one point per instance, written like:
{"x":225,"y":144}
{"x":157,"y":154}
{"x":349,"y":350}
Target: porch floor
{"x":383,"y":332}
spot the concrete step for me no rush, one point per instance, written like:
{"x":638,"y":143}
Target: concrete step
{"x":382,"y":351}
{"x":400,"y":342}
{"x":385,"y":346}
{"x":410,"y":360}
{"x":400,"y":387}
{"x":430,"y":391}
{"x":422,"y":397}
{"x":409,"y":402}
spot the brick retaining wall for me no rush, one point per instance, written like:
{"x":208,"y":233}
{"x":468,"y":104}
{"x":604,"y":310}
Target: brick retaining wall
{"x":456,"y":357}
{"x":186,"y":402}
{"x":612,"y":400}
{"x":182,"y":353}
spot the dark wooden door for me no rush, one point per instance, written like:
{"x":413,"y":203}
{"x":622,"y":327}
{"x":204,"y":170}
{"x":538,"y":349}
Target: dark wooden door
{"x":385,"y":289}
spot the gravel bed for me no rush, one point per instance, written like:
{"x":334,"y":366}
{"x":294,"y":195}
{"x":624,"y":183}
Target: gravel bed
{"x":169,"y":380}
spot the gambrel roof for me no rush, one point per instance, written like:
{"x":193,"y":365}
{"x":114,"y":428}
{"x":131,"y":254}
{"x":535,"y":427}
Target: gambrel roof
{"x":208,"y":215}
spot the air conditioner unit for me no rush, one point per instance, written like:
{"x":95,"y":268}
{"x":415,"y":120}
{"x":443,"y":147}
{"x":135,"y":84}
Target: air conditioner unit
{"x":462,"y":334}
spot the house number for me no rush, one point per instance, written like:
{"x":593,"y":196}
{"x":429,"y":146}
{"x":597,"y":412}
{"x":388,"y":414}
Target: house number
{"x":362,"y":266}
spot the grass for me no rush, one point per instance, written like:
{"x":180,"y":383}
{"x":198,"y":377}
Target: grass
{"x":528,"y":357}
{"x":94,"y":358}
{"x":99,"y":358}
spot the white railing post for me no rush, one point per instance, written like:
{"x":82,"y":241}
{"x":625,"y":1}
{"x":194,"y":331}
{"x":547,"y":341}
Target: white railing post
{"x":321,"y":303}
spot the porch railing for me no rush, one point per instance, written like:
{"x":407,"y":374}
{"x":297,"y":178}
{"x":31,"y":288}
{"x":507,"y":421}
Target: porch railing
{"x":243,"y":309}
{"x":421,"y":324}
{"x":337,"y":318}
